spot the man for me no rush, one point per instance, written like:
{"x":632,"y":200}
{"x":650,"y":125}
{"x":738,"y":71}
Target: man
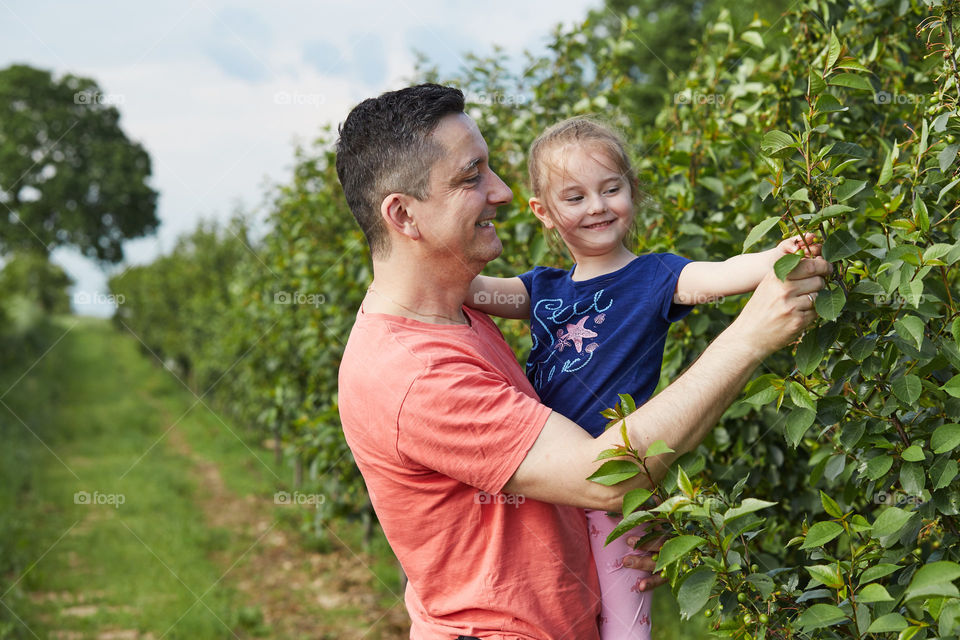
{"x":479,"y":487}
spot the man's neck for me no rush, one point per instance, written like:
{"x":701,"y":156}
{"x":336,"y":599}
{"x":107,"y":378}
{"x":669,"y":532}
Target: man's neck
{"x":430,"y":295}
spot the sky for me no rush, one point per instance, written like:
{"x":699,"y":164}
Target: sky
{"x":219,"y":93}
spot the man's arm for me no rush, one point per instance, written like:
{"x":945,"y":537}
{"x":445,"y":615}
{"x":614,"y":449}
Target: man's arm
{"x":701,"y":282}
{"x":503,"y":297}
{"x":564,"y":455}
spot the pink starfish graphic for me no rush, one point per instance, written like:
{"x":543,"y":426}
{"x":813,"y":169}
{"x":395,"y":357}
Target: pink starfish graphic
{"x":577,"y":332}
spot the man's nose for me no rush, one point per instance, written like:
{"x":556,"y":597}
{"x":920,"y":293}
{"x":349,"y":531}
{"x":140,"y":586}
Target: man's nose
{"x":499,"y":193}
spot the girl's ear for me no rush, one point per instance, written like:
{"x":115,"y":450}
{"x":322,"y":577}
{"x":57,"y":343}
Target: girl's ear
{"x":540,"y":211}
{"x":396,"y":215}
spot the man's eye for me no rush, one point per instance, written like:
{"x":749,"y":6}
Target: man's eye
{"x":474,"y":179}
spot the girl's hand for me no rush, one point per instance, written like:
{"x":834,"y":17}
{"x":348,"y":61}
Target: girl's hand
{"x":806,"y":242}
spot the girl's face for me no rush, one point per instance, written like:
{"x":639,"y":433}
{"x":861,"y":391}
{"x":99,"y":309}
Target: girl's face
{"x":586,"y":199}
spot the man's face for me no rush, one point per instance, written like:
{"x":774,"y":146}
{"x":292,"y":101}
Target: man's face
{"x":457,"y":217}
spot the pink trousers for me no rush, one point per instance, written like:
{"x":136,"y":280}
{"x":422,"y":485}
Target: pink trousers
{"x":625,"y":610}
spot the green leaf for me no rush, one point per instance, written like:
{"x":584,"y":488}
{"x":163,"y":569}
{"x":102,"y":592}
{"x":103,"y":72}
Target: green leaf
{"x":889,"y":623}
{"x":756,"y":234}
{"x":947,"y":156}
{"x":628,"y":523}
{"x":684,"y":483}
{"x":800,"y":195}
{"x":829,"y":303}
{"x":877,"y":467}
{"x":798,"y":422}
{"x":777,"y":144}
{"x":820,"y":615}
{"x":910,"y":328}
{"x":830,"y":505}
{"x":935,"y":578}
{"x":833,"y":51}
{"x":851,"y":63}
{"x":786,"y":264}
{"x":947,"y":189}
{"x":827,"y":574}
{"x":821,"y":533}
{"x":886,"y":172}
{"x":695,"y":591}
{"x":749,"y":505}
{"x":627,"y":405}
{"x":656,"y":448}
{"x":952,"y":386}
{"x":877,"y":571}
{"x":809,"y":353}
{"x":890,"y":522}
{"x":851,"y":81}
{"x":800,"y":396}
{"x":913,"y":453}
{"x":677,"y":548}
{"x":944,"y":476}
{"x":614,"y":471}
{"x":848,"y":189}
{"x":828,"y":103}
{"x":753,"y":38}
{"x":815,"y":83}
{"x":840,"y":245}
{"x":633,"y":499}
{"x":907,"y":388}
{"x":912,"y":478}
{"x":946,"y":437}
{"x":873,"y":593}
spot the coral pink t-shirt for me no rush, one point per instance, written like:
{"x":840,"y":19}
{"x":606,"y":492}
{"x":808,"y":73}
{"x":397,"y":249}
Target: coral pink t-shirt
{"x":438,"y":418}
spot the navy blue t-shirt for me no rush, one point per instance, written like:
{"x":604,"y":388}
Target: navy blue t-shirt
{"x":596,"y":338}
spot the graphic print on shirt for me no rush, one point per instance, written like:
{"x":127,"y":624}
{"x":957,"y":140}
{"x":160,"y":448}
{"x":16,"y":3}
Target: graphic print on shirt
{"x":569,"y":331}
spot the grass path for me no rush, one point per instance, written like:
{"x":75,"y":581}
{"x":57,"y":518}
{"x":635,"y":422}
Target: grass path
{"x":132,"y":510}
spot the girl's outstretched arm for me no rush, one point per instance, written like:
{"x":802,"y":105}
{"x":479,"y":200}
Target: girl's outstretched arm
{"x":701,"y":282}
{"x":503,"y":297}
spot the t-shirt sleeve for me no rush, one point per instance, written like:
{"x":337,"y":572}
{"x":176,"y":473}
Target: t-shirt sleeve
{"x":668,"y":272}
{"x":469,"y":423}
{"x":527,"y":279}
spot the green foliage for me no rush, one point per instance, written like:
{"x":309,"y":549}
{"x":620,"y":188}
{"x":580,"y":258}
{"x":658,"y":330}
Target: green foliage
{"x":69,"y":174}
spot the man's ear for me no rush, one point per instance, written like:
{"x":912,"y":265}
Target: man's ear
{"x":396,"y":215}
{"x":541,"y":212}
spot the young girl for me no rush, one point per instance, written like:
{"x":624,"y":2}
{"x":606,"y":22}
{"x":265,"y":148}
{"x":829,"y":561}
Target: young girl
{"x":599,"y":329}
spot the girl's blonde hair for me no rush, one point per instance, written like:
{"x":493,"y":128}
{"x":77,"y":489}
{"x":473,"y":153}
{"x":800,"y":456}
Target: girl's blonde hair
{"x":581,"y":131}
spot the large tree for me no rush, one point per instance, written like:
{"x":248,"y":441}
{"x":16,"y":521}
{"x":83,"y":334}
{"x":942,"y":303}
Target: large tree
{"x":68,"y":173}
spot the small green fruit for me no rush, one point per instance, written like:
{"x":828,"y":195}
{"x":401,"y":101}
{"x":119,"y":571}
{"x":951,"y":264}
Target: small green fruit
{"x":747,"y":618}
{"x":741,"y":597}
{"x":708,"y":613}
{"x":763,"y":618}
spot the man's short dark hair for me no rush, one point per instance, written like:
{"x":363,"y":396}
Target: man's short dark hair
{"x":385,"y":147}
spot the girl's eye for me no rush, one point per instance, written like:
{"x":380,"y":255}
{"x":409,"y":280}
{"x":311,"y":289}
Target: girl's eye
{"x":574,"y":198}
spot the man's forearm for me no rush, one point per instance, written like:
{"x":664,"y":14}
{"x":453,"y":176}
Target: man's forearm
{"x":683,"y":413}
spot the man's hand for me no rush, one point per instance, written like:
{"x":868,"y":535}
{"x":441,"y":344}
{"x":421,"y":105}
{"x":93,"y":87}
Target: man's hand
{"x":778,"y":311}
{"x":643,"y":561}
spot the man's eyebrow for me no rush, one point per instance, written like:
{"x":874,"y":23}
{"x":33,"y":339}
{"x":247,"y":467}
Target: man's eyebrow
{"x":470,"y":166}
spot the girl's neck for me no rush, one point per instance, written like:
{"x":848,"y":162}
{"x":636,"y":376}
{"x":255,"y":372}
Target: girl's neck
{"x":593,"y":266}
